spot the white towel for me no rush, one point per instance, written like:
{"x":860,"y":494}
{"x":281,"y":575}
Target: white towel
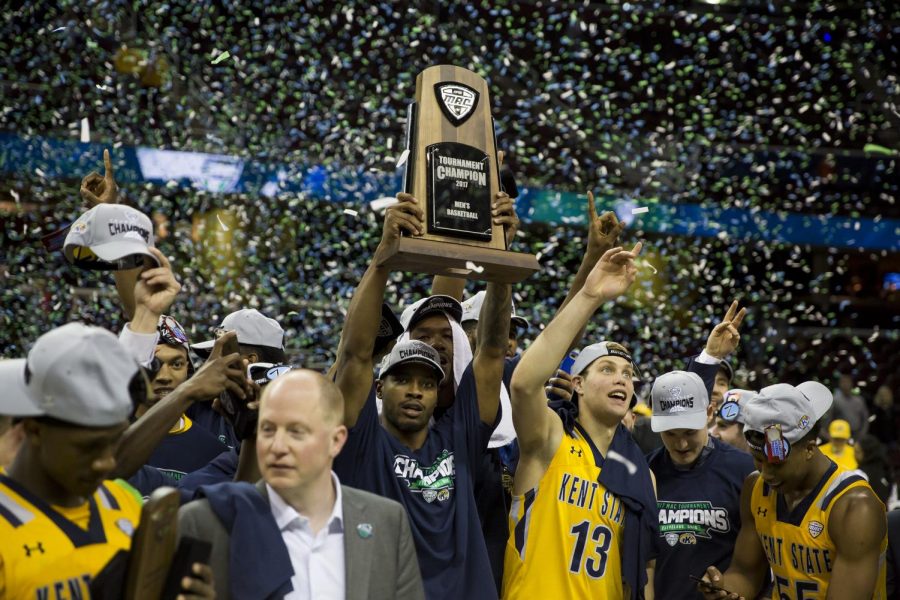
{"x":462,"y":356}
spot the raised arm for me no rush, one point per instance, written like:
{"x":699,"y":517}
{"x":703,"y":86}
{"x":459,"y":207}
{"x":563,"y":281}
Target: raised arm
{"x":538,"y":428}
{"x":353,"y":370}
{"x":603,"y":234}
{"x":103,"y":190}
{"x":749,"y":565}
{"x":857,"y":526}
{"x":490,"y":357}
{"x":722,"y":341}
{"x":218,"y":373}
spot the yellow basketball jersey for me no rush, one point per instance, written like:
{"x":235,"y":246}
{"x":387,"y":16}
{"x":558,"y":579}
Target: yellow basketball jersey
{"x":51,"y":552}
{"x":796,"y":542}
{"x":565,"y":534}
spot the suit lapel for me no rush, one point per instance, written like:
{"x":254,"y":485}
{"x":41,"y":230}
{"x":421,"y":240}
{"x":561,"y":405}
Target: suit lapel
{"x":261,"y":488}
{"x":357,"y":549}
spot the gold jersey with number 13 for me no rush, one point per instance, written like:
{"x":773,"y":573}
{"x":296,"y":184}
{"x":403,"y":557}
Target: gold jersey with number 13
{"x":566,"y":534}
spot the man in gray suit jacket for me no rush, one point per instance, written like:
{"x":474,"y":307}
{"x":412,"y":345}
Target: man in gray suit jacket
{"x":298,"y":533}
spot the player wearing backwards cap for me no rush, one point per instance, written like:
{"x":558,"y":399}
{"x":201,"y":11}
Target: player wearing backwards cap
{"x":61,"y":521}
{"x":820,"y":529}
{"x":494,"y":479}
{"x":583,"y":505}
{"x":698,"y":478}
{"x":427,"y":469}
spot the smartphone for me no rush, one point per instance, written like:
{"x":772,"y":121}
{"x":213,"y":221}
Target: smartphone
{"x":568,"y":361}
{"x":708,"y":585}
{"x":190,"y":550}
{"x":231,"y":347}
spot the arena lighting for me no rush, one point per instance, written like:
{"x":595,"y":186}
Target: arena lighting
{"x":210,"y":172}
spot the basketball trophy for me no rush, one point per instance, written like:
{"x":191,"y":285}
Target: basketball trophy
{"x":452,"y":169}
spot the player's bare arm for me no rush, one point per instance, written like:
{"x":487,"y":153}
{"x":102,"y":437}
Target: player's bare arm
{"x":538,"y":428}
{"x":354,"y":362}
{"x":857,"y":526}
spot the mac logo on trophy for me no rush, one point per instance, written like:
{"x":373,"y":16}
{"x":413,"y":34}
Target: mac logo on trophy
{"x":458,"y":101}
{"x":453,"y":170}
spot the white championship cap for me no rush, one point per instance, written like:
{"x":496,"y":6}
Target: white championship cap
{"x":679,"y":400}
{"x":110,"y":237}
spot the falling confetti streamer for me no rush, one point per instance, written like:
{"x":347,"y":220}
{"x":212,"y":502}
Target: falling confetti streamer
{"x":473,"y":267}
{"x":221,"y":57}
{"x":765,"y":151}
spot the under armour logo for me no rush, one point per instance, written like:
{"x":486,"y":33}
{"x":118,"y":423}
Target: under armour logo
{"x":761,"y":511}
{"x":572,"y":450}
{"x":29,"y":550}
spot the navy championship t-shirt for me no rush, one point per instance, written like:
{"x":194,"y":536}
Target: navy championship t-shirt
{"x":699,"y":517}
{"x":435,"y":485}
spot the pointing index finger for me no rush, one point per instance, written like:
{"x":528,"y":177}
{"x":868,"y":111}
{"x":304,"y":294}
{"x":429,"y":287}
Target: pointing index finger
{"x":107,"y":163}
{"x":592,"y":209}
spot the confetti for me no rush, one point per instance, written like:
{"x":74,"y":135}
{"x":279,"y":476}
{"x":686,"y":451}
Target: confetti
{"x":58,"y":29}
{"x":401,"y":160}
{"x":85,"y":131}
{"x":473,"y":267}
{"x":875,"y":148}
{"x":382,"y":203}
{"x":351,"y":212}
{"x":745,"y":134}
{"x":221,"y":57}
{"x":221,"y":223}
{"x":639,"y":210}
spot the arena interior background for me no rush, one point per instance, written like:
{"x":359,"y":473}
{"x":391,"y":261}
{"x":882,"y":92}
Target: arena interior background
{"x":763,"y":137}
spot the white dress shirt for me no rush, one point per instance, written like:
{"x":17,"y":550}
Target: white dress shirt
{"x":318,"y":559}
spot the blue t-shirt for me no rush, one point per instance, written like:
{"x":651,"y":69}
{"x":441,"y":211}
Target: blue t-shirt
{"x":699,"y":516}
{"x":181,"y":453}
{"x":221,"y":469}
{"x":148,"y":479}
{"x":435,"y":485}
{"x":206,"y":417}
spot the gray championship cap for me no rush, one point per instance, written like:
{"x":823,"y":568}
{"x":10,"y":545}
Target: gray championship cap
{"x":253,"y":329}
{"x":75,"y":373}
{"x":110,"y":237}
{"x":14,"y":399}
{"x":430,"y":305}
{"x":793,"y":409}
{"x":471,"y":310}
{"x":412,"y":352}
{"x":679,"y":400}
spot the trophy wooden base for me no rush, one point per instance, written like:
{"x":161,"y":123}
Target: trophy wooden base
{"x":461,"y":260}
{"x":153,"y":545}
